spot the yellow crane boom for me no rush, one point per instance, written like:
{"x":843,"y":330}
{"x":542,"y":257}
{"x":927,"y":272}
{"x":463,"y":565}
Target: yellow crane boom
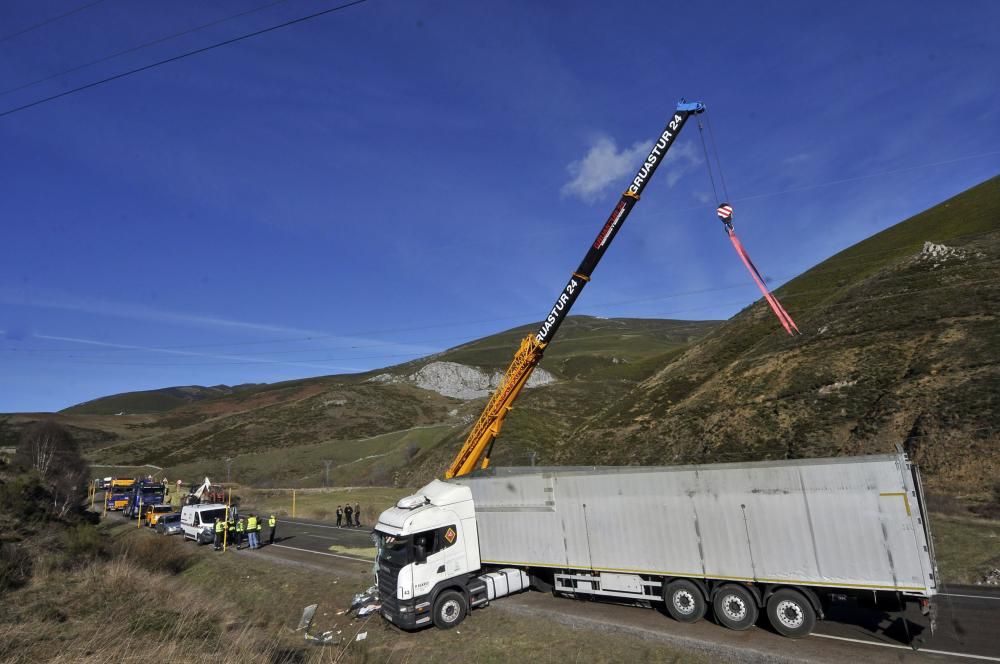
{"x":479,"y":444}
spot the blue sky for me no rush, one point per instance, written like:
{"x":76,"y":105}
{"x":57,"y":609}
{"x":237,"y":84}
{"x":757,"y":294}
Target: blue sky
{"x":400,"y":177}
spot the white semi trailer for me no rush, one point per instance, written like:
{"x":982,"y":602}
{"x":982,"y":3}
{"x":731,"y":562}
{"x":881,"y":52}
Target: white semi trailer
{"x":774,"y":536}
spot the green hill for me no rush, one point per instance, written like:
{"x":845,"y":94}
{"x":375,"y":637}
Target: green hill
{"x":150,"y":401}
{"x":371,"y":426}
{"x":900,"y":345}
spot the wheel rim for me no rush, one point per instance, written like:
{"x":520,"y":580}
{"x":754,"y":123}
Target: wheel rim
{"x":790,"y":614}
{"x":450,"y":611}
{"x":734,"y":607}
{"x":684,"y":602}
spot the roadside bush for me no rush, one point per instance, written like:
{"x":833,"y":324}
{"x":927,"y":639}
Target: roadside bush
{"x":84,"y":542}
{"x":158,"y":554}
{"x":15,"y":566}
{"x":24,"y":498}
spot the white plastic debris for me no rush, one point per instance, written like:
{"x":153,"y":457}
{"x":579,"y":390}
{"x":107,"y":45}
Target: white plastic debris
{"x":361,"y":637}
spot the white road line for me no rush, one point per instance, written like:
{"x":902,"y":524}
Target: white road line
{"x":920,"y":650}
{"x":996,"y":599}
{"x":321,"y":553}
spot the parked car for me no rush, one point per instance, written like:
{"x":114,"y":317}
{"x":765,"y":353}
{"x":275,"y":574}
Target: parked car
{"x":169,"y":524}
{"x":156,"y":512}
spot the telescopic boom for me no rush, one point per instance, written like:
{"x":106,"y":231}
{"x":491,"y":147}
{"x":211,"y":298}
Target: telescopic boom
{"x":479,"y":444}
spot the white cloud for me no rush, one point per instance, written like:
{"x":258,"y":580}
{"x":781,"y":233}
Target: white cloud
{"x":605,"y":164}
{"x":602,"y":165}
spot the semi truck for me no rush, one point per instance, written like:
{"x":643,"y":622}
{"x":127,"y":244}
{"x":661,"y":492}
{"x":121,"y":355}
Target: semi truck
{"x":143,"y":495}
{"x":117,"y":493}
{"x":739,"y":539}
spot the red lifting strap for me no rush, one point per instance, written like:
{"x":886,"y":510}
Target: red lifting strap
{"x":779,"y":311}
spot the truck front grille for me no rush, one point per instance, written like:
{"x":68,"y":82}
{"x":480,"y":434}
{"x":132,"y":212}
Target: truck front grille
{"x":388,"y":578}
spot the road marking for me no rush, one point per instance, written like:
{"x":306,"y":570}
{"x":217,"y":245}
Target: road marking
{"x":997,"y":599}
{"x":321,"y":553}
{"x":919,"y":650}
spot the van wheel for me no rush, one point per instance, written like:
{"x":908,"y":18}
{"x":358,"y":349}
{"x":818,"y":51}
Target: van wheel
{"x":790,"y":613}
{"x":735,"y":607}
{"x":685,"y":602}
{"x":450,"y":608}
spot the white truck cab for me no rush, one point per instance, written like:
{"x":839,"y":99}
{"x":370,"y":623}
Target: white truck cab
{"x":198,"y":521}
{"x":429,"y":557}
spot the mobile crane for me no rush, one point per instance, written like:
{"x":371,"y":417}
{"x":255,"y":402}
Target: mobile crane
{"x":479,"y":444}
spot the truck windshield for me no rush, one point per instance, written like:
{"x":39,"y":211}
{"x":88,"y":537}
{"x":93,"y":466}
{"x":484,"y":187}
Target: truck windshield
{"x":394,"y":550}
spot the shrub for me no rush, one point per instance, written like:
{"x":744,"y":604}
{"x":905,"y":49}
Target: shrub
{"x":158,"y":554}
{"x":25,"y":498}
{"x":15,"y":566}
{"x":84,"y":541}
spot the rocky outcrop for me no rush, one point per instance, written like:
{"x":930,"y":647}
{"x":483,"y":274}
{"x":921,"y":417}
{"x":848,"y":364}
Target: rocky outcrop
{"x":460,"y":381}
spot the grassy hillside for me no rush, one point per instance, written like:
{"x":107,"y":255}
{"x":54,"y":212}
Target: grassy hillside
{"x":281,"y":434}
{"x":151,"y":401}
{"x":898,"y":347}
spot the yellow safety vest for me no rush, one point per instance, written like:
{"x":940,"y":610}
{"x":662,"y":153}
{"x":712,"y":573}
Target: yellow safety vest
{"x":219,"y":526}
{"x":252,"y":523}
{"x":239,"y":526}
{"x":272,"y":521}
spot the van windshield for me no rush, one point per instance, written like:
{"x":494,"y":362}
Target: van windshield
{"x":394,"y":550}
{"x":209,"y":516}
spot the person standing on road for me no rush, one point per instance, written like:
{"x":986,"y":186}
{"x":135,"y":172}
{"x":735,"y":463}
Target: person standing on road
{"x":252,"y":530}
{"x":340,"y":517}
{"x":240,"y":527}
{"x":357,"y":514}
{"x":260,"y":531}
{"x":272,"y":523}
{"x":220,"y":526}
{"x":349,"y":514}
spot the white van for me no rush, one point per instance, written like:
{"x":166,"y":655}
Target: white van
{"x":198,"y":521}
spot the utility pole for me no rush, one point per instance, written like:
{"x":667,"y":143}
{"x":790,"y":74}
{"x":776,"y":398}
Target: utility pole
{"x":326,"y":481}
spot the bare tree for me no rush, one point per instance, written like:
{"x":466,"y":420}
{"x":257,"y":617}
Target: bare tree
{"x":54,"y":454}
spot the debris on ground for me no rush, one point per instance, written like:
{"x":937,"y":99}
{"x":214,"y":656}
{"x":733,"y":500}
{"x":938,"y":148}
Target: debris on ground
{"x":361,"y":636}
{"x":363,"y":598}
{"x":307,"y":617}
{"x":368,"y":609}
{"x":305,"y":623}
{"x":991,"y":578}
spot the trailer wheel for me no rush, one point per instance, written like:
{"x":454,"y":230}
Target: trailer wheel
{"x":685,"y":602}
{"x":735,"y":607}
{"x":790,"y":613}
{"x":450,"y":608}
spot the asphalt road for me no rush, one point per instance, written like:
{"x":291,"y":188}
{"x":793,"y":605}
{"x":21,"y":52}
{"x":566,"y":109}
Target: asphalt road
{"x":968,"y":621}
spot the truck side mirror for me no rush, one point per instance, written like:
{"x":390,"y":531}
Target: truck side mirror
{"x":419,"y":554}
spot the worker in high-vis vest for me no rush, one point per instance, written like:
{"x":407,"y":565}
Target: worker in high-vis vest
{"x":272,"y":523}
{"x":220,"y":529}
{"x":240,"y":527}
{"x":252,"y":531}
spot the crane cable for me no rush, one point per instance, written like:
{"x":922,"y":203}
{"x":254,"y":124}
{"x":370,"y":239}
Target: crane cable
{"x":724,"y":210}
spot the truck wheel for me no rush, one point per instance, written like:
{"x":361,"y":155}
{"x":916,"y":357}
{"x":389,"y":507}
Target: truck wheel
{"x":735,"y":607}
{"x":449,"y":609}
{"x":790,"y":613}
{"x":685,"y":603}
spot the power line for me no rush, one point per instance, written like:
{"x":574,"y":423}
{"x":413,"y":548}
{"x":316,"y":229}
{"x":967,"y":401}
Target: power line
{"x":50,"y":20}
{"x":133,"y":49}
{"x":182,"y":56}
